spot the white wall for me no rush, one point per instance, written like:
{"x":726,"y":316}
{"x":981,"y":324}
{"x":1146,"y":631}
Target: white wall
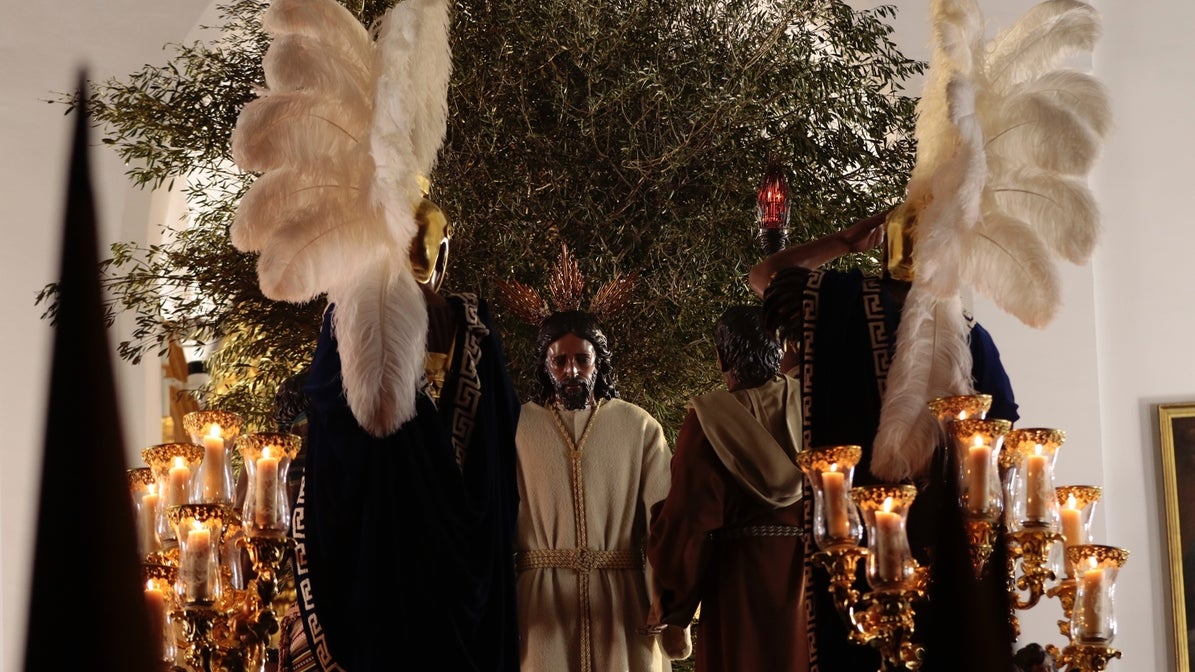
{"x":1114,"y":350}
{"x":1143,"y":295}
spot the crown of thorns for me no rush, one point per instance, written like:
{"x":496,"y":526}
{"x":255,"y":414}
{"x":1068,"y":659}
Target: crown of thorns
{"x":566,"y":288}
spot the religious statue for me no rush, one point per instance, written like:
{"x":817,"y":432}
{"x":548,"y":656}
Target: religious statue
{"x":590,"y":467}
{"x":728,"y":538}
{"x":405,"y":518}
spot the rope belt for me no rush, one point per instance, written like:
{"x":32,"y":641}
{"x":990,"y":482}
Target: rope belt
{"x":757,"y":531}
{"x":582,"y":560}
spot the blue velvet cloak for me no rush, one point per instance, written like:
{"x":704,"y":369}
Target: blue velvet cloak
{"x":405,"y":556}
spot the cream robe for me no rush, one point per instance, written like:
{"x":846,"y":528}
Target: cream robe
{"x":625,"y":470}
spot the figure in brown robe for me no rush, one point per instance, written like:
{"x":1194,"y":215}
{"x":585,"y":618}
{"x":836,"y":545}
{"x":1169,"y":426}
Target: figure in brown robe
{"x":728,"y":536}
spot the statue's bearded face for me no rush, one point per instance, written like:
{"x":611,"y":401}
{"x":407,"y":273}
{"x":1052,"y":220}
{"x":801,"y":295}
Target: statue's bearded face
{"x":572,"y":364}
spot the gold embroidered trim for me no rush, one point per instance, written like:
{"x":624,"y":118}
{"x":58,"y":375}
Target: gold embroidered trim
{"x":578,"y":487}
{"x":582,"y":560}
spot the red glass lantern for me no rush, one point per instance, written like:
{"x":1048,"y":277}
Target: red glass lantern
{"x":772,"y":207}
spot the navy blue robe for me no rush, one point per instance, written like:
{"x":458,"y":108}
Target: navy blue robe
{"x":406,"y":555}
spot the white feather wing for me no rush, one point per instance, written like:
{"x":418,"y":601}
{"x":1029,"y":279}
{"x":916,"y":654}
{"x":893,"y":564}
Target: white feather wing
{"x":957,"y":32}
{"x":1010,"y":264}
{"x":1045,"y":35}
{"x":381,"y":330}
{"x":303,"y":62}
{"x":318,"y":248}
{"x":932,"y":359}
{"x":341,"y":134}
{"x":1063,"y":204}
{"x":1001,"y":195}
{"x":954,"y":197}
{"x":295,"y":128}
{"x":411,"y":118}
{"x":1036,"y":129}
{"x":329,"y":22}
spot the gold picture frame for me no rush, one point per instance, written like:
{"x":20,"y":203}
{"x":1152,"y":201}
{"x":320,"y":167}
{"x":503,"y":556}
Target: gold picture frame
{"x":1176,"y":433}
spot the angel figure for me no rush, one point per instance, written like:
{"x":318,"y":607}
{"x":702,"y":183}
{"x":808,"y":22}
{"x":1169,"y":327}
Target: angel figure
{"x":590,"y":467}
{"x":1006,"y":138}
{"x":406,"y":513}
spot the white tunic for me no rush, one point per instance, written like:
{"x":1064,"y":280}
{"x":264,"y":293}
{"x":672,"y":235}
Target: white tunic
{"x":624,"y":470}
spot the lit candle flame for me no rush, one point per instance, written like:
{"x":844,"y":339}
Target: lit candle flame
{"x":888,"y":505}
{"x":833,"y":466}
{"x":178,"y":462}
{"x":1037,"y":449}
{"x":962,"y":415}
{"x":1071,"y":503}
{"x":214,"y":431}
{"x":978,"y":440}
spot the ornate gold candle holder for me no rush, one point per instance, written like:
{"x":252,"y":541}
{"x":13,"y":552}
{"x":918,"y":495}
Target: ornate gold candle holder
{"x":884,"y":620}
{"x":172,"y":465}
{"x":885,"y":509}
{"x":960,"y":407}
{"x":829,"y":470}
{"x":200,"y":585}
{"x":143,"y":487}
{"x":255,"y":625}
{"x":1095,"y":568}
{"x":1032,"y":546}
{"x":883,"y":617}
{"x":267,"y":458}
{"x":1035,"y":501}
{"x":1034,"y":523}
{"x":1076,"y":507}
{"x":841,"y":563}
{"x":200,"y":530}
{"x":1092,"y":619}
{"x":162,"y":602}
{"x":978,"y":443}
{"x":197,"y":625}
{"x":1064,"y":590}
{"x":216,"y":431}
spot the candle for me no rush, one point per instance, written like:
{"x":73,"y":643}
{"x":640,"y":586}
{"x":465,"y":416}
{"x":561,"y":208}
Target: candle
{"x":978,"y":467}
{"x":155,"y":603}
{"x":213,"y":467}
{"x":1072,"y":522}
{"x":180,"y":479}
{"x":147,"y":521}
{"x":266,"y":510}
{"x":194,"y":564}
{"x":838,"y":522}
{"x":1094,"y":602}
{"x":889,"y":556}
{"x":1036,"y":486}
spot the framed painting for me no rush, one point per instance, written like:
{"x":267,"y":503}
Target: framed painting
{"x":1176,"y":434}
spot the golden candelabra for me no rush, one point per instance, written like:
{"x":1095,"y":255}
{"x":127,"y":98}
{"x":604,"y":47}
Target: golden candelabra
{"x":216,"y":564}
{"x":1007,"y":495}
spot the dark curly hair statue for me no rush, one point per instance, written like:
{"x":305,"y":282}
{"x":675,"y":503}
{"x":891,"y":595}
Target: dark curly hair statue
{"x":745,"y":348}
{"x":582,"y":325}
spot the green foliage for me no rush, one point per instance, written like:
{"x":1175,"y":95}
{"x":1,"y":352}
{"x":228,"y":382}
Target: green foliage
{"x":635,"y":131}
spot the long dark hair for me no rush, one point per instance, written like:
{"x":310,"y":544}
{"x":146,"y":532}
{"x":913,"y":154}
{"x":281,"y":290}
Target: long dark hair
{"x":746,"y":349}
{"x":582,"y":325}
